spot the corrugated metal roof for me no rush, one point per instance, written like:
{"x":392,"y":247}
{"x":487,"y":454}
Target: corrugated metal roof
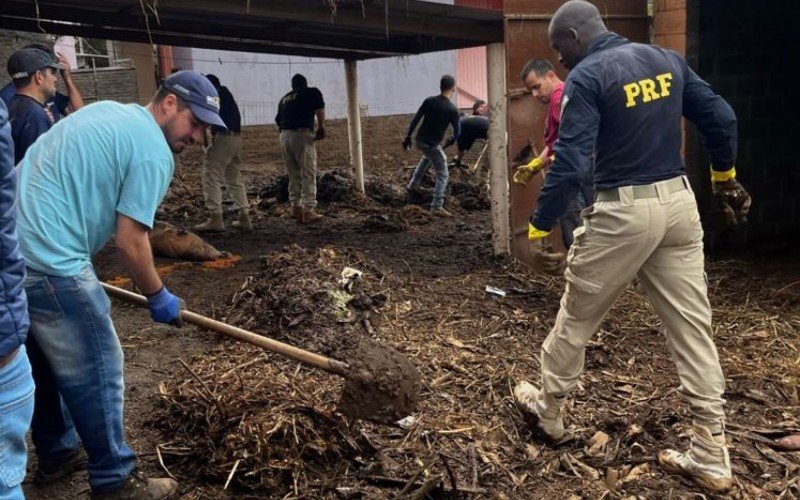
{"x":342,"y":29}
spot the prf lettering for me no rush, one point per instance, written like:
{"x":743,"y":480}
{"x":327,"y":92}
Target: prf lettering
{"x":646,"y":89}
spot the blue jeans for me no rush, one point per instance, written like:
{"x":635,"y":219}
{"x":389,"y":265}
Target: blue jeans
{"x":16,"y":409}
{"x":80,"y":362}
{"x":433,"y":154}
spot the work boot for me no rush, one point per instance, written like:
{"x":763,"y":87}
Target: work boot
{"x":541,"y":412}
{"x":51,"y":471}
{"x":309,"y":215}
{"x":441,"y":212}
{"x":138,"y":487}
{"x":214,"y":224}
{"x":297,"y":212}
{"x":244,"y":223}
{"x":706,"y":463}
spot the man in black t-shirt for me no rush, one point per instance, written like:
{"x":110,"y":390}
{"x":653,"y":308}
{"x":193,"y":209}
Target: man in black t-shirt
{"x":436,"y":113}
{"x":295,"y":120}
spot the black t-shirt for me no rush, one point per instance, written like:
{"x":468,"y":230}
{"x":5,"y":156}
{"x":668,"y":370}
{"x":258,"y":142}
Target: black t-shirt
{"x":228,"y":111}
{"x":437,"y":113}
{"x":28,"y":121}
{"x":472,"y":128}
{"x":296,"y":109}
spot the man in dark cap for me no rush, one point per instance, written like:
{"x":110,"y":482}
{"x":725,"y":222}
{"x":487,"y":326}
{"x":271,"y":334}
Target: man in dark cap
{"x":60,"y":104}
{"x":34,"y":73}
{"x":623,"y":102}
{"x":295,"y":120}
{"x":221,"y":166}
{"x":109,"y":173}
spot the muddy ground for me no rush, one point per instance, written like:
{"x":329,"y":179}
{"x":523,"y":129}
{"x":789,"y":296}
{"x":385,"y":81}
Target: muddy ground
{"x":277,"y":437}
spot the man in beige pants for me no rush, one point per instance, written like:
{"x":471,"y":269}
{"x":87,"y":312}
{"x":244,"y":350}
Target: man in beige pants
{"x":221,"y":167}
{"x":623,"y":102}
{"x":295,"y":120}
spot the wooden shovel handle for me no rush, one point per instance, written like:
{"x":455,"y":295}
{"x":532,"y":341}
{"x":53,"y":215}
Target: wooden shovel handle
{"x":297,"y":354}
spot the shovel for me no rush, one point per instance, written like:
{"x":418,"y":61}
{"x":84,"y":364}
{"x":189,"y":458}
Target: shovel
{"x":381,"y":384}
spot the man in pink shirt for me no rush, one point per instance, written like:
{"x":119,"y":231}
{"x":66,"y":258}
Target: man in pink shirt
{"x":541,"y":81}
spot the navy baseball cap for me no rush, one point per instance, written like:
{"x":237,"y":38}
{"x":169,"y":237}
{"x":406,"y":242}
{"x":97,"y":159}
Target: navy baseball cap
{"x":198,"y":93}
{"x":26,"y":62}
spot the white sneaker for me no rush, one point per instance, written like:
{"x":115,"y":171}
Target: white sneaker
{"x":706,"y":463}
{"x":542,"y":413}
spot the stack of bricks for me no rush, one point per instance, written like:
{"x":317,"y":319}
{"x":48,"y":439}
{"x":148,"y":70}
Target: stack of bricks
{"x":669,"y":24}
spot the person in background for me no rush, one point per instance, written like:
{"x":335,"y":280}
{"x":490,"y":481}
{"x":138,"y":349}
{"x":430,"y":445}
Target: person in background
{"x":221,"y":166}
{"x":473,"y":127}
{"x":34,"y":73}
{"x":59,"y":105}
{"x":540,"y":79}
{"x":295,"y":120}
{"x":437,"y":113}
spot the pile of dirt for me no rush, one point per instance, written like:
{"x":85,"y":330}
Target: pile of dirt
{"x":316,"y":298}
{"x":336,"y":186}
{"x":332,"y":186}
{"x":471,"y":348}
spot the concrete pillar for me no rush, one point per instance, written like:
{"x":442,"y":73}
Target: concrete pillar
{"x":498,"y":148}
{"x":354,"y":124}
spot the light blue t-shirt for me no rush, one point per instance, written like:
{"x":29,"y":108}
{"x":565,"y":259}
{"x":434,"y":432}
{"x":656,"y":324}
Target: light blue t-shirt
{"x":104,"y":159}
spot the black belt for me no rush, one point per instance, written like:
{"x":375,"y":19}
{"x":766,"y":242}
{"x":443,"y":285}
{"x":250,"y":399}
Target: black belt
{"x":645,"y":191}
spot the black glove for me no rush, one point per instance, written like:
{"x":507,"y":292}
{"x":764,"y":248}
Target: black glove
{"x":407,"y":143}
{"x":449,"y":142}
{"x":733,"y":199}
{"x":545,"y":260}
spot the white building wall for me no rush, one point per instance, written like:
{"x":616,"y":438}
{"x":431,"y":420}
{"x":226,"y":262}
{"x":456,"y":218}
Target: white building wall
{"x":387,"y":86}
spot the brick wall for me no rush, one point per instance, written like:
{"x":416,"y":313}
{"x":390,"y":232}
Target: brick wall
{"x":116,"y":84}
{"x":669,"y":24}
{"x":744,"y":51}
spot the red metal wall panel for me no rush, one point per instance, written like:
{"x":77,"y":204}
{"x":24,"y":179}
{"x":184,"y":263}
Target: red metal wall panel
{"x":471,"y":63}
{"x":470,"y":76}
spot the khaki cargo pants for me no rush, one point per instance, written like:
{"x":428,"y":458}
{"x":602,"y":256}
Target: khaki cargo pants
{"x":300,"y":156}
{"x":659,"y":240}
{"x":221,"y":168}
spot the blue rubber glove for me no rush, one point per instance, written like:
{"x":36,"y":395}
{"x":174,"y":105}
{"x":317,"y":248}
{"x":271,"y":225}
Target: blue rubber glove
{"x":165,"y":308}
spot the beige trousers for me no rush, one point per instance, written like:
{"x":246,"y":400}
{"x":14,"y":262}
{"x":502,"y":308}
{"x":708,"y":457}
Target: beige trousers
{"x":221,"y":168}
{"x":660,"y":241}
{"x":300,"y":156}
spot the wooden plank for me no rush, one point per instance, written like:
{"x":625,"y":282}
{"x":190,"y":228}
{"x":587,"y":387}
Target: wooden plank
{"x":498,"y":149}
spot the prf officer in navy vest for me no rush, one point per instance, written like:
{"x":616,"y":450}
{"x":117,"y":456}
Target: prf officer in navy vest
{"x":623,"y":102}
